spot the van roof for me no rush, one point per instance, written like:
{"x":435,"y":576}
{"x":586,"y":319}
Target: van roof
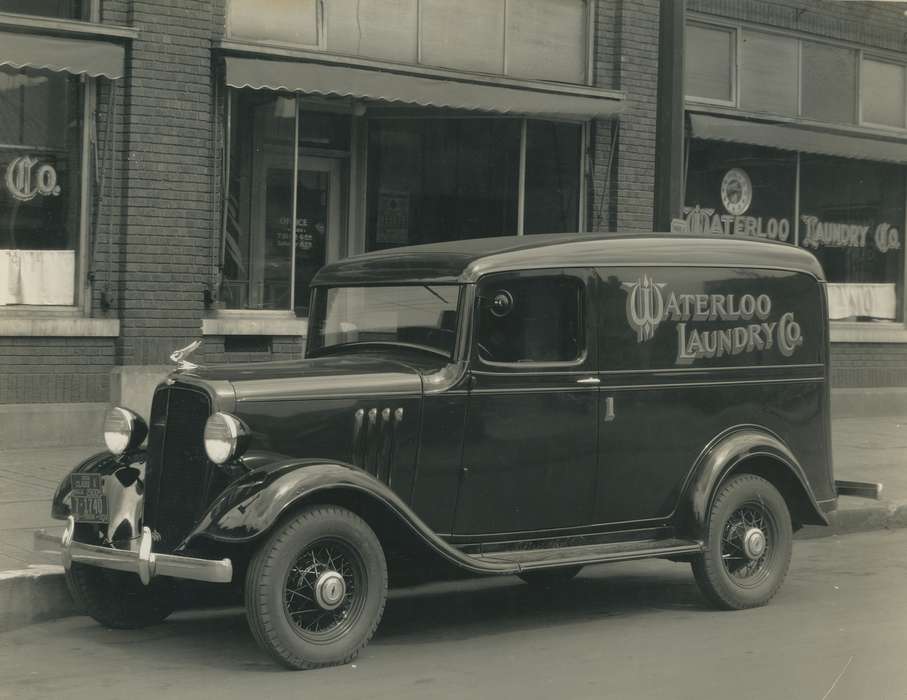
{"x":456,"y":262}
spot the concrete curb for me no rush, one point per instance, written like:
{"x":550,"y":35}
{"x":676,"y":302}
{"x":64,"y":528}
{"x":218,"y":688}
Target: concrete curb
{"x":873,"y":516}
{"x":39,"y":593}
{"x":33,"y":595}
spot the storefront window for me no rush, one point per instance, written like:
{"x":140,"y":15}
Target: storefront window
{"x":852,"y":218}
{"x":741,"y":190}
{"x":258,"y":245}
{"x":40,"y":163}
{"x":441,"y":179}
{"x":59,"y":9}
{"x":552,"y":177}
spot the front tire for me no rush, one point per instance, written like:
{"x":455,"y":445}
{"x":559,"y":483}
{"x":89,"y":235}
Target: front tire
{"x":117,"y":599}
{"x":316,"y":589}
{"x":749,"y":545}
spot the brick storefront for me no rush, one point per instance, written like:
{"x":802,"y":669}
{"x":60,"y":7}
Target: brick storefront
{"x":159,"y":185}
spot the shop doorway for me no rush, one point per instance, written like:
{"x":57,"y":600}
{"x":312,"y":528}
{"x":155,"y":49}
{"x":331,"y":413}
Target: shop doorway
{"x":319,"y":221}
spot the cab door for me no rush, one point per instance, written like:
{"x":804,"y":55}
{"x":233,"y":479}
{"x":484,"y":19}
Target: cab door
{"x":529,"y":457}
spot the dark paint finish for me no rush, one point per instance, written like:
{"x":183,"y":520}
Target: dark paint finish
{"x":529,"y":459}
{"x":102,"y":463}
{"x":250,"y":506}
{"x":466,"y":261}
{"x":626,"y":439}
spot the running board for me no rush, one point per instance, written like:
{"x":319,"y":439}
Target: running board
{"x":529,"y":559}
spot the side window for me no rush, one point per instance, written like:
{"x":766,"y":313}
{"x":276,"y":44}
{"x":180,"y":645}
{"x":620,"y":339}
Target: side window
{"x":537,"y":318}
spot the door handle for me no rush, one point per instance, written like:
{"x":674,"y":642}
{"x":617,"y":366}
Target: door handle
{"x":609,"y":409}
{"x":589,"y":380}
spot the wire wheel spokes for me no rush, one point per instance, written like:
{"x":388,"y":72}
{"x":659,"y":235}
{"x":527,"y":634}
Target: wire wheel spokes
{"x":313,"y":612}
{"x":748,"y":562}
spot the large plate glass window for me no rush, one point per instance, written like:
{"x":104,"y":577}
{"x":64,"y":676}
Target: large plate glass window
{"x":552,"y":177}
{"x":441,"y":179}
{"x":258,"y":241}
{"x":882,"y":93}
{"x":40,"y":193}
{"x":852,"y":219}
{"x":709,"y":62}
{"x":741,"y":190}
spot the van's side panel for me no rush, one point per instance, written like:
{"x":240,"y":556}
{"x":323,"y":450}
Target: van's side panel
{"x":689,"y":352}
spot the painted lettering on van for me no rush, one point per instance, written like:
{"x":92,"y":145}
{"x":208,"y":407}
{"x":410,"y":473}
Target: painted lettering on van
{"x":649,"y":304}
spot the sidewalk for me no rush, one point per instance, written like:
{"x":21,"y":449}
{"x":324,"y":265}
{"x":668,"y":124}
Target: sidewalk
{"x":865,"y":449}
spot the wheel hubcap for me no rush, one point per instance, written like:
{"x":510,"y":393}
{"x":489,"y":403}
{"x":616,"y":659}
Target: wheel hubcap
{"x":747,"y":543}
{"x":325,"y":590}
{"x":754,"y":543}
{"x":330,"y":590}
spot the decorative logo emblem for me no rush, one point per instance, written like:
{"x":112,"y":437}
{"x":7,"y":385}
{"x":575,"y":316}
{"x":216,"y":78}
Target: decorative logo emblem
{"x":179,"y":356}
{"x":24,"y":181}
{"x":645,"y":306}
{"x":736,"y":191}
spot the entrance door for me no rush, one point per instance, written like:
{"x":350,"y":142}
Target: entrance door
{"x":529,"y":457}
{"x":318,"y":222}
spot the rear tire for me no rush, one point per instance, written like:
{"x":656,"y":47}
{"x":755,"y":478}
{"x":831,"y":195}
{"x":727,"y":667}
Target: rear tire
{"x":117,"y":599}
{"x":749,"y":545}
{"x":316,"y":589}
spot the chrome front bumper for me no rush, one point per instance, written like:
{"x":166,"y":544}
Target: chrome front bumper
{"x":141,"y":561}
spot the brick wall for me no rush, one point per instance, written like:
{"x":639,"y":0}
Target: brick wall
{"x":55,"y":370}
{"x":879,"y":24}
{"x":868,"y":365}
{"x":171,"y":219}
{"x":281,"y":348}
{"x":626,"y":59}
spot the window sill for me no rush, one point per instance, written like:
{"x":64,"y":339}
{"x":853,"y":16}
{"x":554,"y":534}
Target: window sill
{"x":60,"y":327}
{"x":70,"y":27}
{"x":867,"y":332}
{"x":255,"y":323}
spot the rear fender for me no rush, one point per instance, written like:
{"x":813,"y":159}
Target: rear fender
{"x":753,"y":450}
{"x":250,"y":507}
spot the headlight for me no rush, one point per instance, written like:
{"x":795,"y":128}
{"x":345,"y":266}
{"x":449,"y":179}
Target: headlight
{"x":123,"y":430}
{"x":226,"y":437}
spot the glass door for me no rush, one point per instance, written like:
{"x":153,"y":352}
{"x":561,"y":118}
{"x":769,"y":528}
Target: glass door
{"x":318,"y":222}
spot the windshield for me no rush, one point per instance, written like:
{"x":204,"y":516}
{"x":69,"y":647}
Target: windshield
{"x":415,"y":315}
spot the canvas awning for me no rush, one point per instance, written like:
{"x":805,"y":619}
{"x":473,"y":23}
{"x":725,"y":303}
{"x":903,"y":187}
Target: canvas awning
{"x":425,"y":91}
{"x":91,"y":57}
{"x":793,"y":137}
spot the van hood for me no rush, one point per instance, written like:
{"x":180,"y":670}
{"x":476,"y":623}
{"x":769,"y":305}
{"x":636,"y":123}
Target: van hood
{"x":320,"y":377}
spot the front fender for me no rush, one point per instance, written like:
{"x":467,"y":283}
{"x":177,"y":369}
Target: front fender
{"x":103,"y":463}
{"x":252,"y":505}
{"x":733,"y":451}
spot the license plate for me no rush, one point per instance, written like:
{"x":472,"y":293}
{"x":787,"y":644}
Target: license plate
{"x":88,"y":503}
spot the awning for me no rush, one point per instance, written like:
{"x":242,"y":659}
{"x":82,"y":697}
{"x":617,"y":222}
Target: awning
{"x":364,"y":83}
{"x":793,"y":137}
{"x":90,"y":57}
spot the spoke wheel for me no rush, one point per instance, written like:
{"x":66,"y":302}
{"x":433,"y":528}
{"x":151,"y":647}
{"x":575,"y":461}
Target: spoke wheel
{"x":749,"y":544}
{"x":324,"y":590}
{"x":316,"y":589}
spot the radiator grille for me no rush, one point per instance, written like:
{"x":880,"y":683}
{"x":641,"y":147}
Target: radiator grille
{"x":179,"y":469}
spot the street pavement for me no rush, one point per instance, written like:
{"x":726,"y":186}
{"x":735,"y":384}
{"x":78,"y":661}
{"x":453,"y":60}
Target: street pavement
{"x":867,"y":449}
{"x":637,"y":630}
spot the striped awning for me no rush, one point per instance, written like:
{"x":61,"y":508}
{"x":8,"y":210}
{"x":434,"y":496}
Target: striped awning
{"x":796,"y":137}
{"x":91,"y":57}
{"x":425,"y":91}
